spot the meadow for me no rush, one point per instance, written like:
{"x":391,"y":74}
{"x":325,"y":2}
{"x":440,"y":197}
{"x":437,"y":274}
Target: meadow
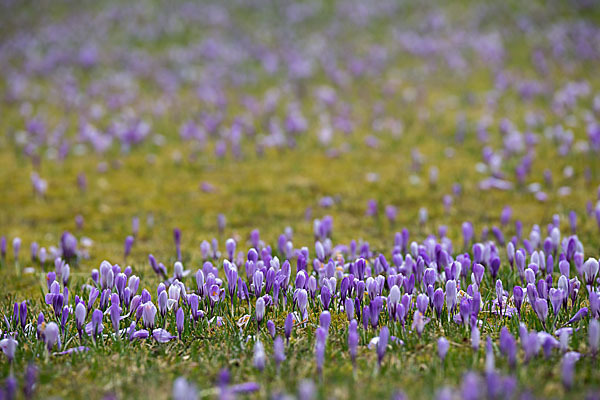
{"x":315,"y":199}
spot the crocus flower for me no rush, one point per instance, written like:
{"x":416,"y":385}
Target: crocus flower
{"x":422,"y":302}
{"x":594,"y":335}
{"x":450,"y":295}
{"x":260,"y":310}
{"x":115,"y":312}
{"x":590,"y":270}
{"x":353,"y":339}
{"x":464,"y":311}
{"x":489,"y":356}
{"x":80,"y":314}
{"x":259,"y":358}
{"x":518,"y":296}
{"x":541,"y":309}
{"x":325,"y":297}
{"x":419,"y":322}
{"x":179,"y":320}
{"x":10,"y":387}
{"x":278,"y":351}
{"x":128,"y":245}
{"x":148,"y":314}
{"x":478,"y":271}
{"x":288,"y":325}
{"x":23,"y":314}
{"x":579,"y":315}
{"x":9,"y":346}
{"x":508,"y":346}
{"x":177,"y":239}
{"x":184,"y":390}
{"x":16,"y":247}
{"x":499,"y":293}
{"x":349,"y":307}
{"x":30,"y":380}
{"x":384,"y":335}
{"x":271,"y":329}
{"x":325,"y":320}
{"x":443,"y":346}
{"x":51,"y":335}
{"x":556,"y":298}
{"x":475,"y":338}
{"x":163,"y":300}
{"x":321,"y":339}
{"x":438,"y":301}
{"x":568,"y":369}
{"x":470,"y":386}
{"x":162,"y":335}
{"x":79,"y":349}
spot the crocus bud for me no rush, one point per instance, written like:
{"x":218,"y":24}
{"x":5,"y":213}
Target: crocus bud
{"x":23,"y":313}
{"x":450,"y":295}
{"x":475,"y":338}
{"x":260,"y":310}
{"x":179,"y":320}
{"x":594,"y":335}
{"x":384,"y":335}
{"x":51,"y":335}
{"x":271,"y":329}
{"x":80,"y":314}
{"x":278,"y":351}
{"x":128,"y":245}
{"x":259,"y":358}
{"x":16,"y":247}
{"x":288,"y":325}
{"x":9,"y":346}
{"x":443,"y":347}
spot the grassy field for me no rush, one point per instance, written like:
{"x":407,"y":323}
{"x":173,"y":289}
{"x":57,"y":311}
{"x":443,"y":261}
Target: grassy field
{"x":297,"y":111}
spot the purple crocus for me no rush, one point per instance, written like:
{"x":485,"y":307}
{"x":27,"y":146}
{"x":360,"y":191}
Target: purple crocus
{"x":260,"y":311}
{"x":179,"y":321}
{"x":184,"y":390}
{"x":594,"y":335}
{"x":568,"y":369}
{"x":9,"y":346}
{"x":508,"y":346}
{"x":579,"y":315}
{"x":162,"y":335}
{"x":450,"y":295}
{"x":287,"y":326}
{"x":271,"y":329}
{"x":518,"y":296}
{"x":278,"y":351}
{"x":325,"y":320}
{"x":541,"y":309}
{"x":31,"y":374}
{"x":23,"y":314}
{"x":149,"y":311}
{"x":51,"y":336}
{"x":384,"y":335}
{"x":353,"y":340}
{"x":80,"y":314}
{"x":115,"y":312}
{"x":321,"y":339}
{"x":325,"y":297}
{"x":128,"y":245}
{"x":259,"y":358}
{"x":16,"y":247}
{"x":443,"y":346}
{"x":499,"y":294}
{"x":475,"y":337}
{"x":438,"y":301}
{"x":177,"y":239}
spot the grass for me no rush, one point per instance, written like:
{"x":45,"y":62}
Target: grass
{"x":273,"y":190}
